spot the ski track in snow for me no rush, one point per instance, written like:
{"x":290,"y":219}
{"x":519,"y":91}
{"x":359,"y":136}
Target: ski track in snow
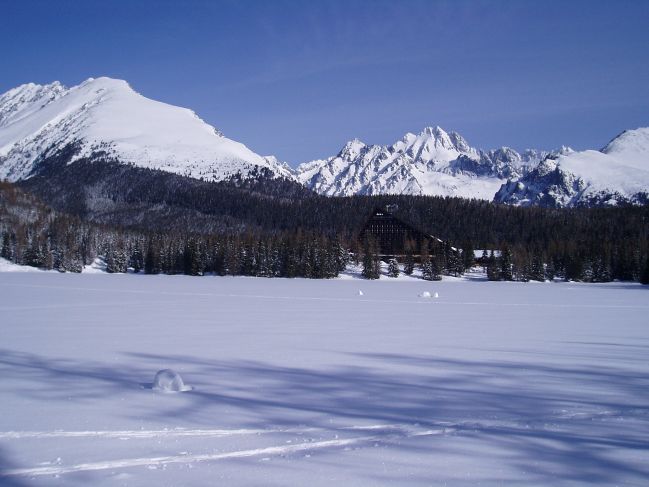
{"x":320,"y":298}
{"x":179,"y":432}
{"x":138,"y":433}
{"x":392,"y":432}
{"x":388,"y":433}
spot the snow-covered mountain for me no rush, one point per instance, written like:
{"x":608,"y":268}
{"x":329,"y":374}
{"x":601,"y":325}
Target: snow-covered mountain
{"x":433,"y":162}
{"x":47,"y":128}
{"x":616,"y":174}
{"x":106,"y":118}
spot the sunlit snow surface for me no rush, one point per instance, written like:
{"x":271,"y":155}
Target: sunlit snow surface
{"x":300,"y":382}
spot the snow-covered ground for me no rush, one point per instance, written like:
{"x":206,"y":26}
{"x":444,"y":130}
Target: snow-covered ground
{"x":297,"y":382}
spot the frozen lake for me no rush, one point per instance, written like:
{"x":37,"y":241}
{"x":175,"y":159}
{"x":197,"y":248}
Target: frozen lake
{"x":300,"y":382}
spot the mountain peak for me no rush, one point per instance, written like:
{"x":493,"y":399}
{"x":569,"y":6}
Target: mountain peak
{"x":427,"y":163}
{"x":618,"y":174}
{"x":433,"y":139}
{"x":352,"y":149}
{"x":632,"y":146}
{"x":437,"y":131}
{"x":104,"y":83}
{"x":129,"y":128}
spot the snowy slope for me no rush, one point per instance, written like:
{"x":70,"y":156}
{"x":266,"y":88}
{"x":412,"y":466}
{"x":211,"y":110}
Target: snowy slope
{"x":433,"y":162}
{"x":107,"y":115}
{"x":619,"y":173}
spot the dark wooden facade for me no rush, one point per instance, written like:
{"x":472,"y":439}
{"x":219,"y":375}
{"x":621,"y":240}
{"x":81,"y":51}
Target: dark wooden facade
{"x":394,"y":236}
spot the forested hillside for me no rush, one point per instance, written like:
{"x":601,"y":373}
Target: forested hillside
{"x":228,"y":229}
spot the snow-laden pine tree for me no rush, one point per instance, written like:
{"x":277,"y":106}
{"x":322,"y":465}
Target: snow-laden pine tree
{"x":393,"y":268}
{"x":430,"y":269}
{"x":537,"y":272}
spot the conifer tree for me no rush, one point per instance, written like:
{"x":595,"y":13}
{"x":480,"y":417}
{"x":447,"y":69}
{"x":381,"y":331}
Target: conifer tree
{"x":506,"y":265}
{"x":73,"y":262}
{"x":485,"y":259}
{"x":494,"y":272}
{"x":454,"y":262}
{"x":586,"y":271}
{"x":116,"y":261}
{"x":371,"y":262}
{"x":136,"y":260}
{"x":151,"y":259}
{"x":393,"y":268}
{"x":110,"y":261}
{"x":7,"y":251}
{"x":468,"y":259}
{"x":430,"y":269}
{"x":58,"y":260}
{"x":644,"y":277}
{"x":33,"y":256}
{"x":342,"y":257}
{"x":550,"y":270}
{"x":409,"y":263}
{"x":409,"y":257}
{"x":601,"y":269}
{"x":537,"y":272}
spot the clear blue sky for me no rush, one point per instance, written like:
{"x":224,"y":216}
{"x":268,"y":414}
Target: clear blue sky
{"x":299,"y":78}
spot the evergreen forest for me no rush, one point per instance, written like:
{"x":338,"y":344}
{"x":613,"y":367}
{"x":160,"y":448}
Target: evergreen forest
{"x":247,"y":231}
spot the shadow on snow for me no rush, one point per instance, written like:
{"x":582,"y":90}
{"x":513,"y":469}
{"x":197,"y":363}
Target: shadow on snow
{"x":551,"y":421}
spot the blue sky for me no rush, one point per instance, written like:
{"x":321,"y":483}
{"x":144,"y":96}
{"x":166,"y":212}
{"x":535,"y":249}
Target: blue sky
{"x":299,"y":78}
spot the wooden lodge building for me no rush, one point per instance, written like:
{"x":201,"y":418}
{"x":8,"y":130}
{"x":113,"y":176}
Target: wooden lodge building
{"x":395,"y":237}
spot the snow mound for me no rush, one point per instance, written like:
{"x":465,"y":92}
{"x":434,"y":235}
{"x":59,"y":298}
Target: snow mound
{"x":428,"y":295}
{"x":168,"y":380}
{"x":98,"y":266}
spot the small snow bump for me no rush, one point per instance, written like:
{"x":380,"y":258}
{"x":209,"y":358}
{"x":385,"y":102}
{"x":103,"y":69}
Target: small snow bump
{"x":168,"y":380}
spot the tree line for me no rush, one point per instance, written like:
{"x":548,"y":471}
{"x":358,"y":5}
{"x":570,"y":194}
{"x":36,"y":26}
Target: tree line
{"x":592,"y":245}
{"x":35,"y":235}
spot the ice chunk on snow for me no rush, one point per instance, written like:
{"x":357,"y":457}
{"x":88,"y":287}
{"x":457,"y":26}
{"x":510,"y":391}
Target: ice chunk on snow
{"x":168,"y":380}
{"x":360,"y":293}
{"x":436,"y":295}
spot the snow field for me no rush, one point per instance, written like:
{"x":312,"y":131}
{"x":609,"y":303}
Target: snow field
{"x":300,"y":381}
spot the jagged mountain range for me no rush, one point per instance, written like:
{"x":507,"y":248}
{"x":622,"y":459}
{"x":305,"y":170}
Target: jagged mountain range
{"x":104,"y":120}
{"x":616,"y":174}
{"x":433,"y":162}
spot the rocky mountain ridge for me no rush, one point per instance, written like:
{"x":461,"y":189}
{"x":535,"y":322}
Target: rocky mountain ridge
{"x":104,"y":120}
{"x":433,"y":162}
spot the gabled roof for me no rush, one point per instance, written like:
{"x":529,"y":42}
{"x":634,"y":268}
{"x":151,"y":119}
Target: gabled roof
{"x":378,"y":211}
